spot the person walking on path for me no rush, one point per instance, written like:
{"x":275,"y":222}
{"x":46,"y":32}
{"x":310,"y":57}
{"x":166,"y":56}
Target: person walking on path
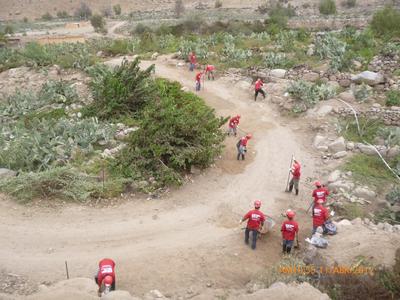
{"x":320,"y":215}
{"x":192,"y":61}
{"x":289,"y":230}
{"x":241,"y":146}
{"x":233,"y":125}
{"x":295,"y":171}
{"x":209,"y":71}
{"x":255,"y":220}
{"x":198,"y":81}
{"x":258,"y":89}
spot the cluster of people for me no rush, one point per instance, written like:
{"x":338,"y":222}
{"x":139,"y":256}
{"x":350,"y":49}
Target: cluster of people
{"x":289,"y":228}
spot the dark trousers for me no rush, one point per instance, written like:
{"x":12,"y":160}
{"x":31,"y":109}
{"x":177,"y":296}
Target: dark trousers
{"x":257,"y":92}
{"x":253,"y":237}
{"x":287,"y":246}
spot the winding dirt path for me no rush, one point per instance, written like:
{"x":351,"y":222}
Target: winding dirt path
{"x":189,"y":238}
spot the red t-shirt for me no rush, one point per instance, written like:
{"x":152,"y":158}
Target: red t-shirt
{"x":259,"y":84}
{"x":106,"y":267}
{"x":192,"y":58}
{"x":210,"y":68}
{"x":289,"y":229}
{"x":198,"y":76}
{"x":320,"y":215}
{"x":243,"y":141}
{"x":233,"y":122}
{"x":255,"y":219}
{"x":296,"y":170}
{"x":320,"y":193}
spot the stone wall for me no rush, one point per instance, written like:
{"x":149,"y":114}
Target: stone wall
{"x":390,"y":116}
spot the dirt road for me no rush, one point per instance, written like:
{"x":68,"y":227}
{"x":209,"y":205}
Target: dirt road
{"x":189,"y":238}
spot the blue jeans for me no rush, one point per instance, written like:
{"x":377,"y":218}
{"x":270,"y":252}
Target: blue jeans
{"x":191,"y":67}
{"x":198,"y":85}
{"x":254,"y":237}
{"x":287,"y":246}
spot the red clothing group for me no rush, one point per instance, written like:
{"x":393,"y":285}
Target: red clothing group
{"x":106,"y":268}
{"x":320,"y":193}
{"x":296,"y":170}
{"x":255,"y":219}
{"x":320,"y":215}
{"x":289,"y":229}
{"x":234,"y":121}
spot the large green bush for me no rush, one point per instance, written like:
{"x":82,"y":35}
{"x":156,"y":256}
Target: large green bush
{"x":386,"y":22}
{"x":177,"y":131}
{"x":121,"y":91}
{"x":327,"y":7}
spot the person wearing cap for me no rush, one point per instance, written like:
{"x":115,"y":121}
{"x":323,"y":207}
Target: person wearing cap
{"x":320,"y":215}
{"x":241,"y":146}
{"x":295,"y":171}
{"x":289,"y":230}
{"x":233,"y":124}
{"x":255,"y":220}
{"x":106,"y":272}
{"x":321,"y":192}
{"x":258,"y":89}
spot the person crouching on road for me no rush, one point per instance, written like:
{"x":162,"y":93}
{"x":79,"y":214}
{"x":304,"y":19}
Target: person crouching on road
{"x":295,"y":170}
{"x":105,"y":274}
{"x":241,"y":146}
{"x":289,"y":230}
{"x":209,"y":71}
{"x":233,"y":124}
{"x":255,"y":222}
{"x":198,"y":81}
{"x":320,"y":215}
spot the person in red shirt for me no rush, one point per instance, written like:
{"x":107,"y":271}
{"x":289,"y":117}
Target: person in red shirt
{"x":198,"y":81}
{"x":242,"y":146}
{"x":255,"y":221}
{"x":209,"y":70}
{"x":295,"y":170}
{"x":233,"y":124}
{"x":106,"y":274}
{"x":258,"y":89}
{"x":192,"y":61}
{"x":289,"y":230}
{"x":320,"y":215}
{"x":321,"y":192}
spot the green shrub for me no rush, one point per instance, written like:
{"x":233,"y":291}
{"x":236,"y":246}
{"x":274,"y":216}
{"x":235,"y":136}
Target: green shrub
{"x":218,"y":4}
{"x":393,"y":197}
{"x":121,"y":91}
{"x":279,"y":15}
{"x":63,"y":183}
{"x":327,"y":7}
{"x":98,"y":23}
{"x":47,"y":17}
{"x":141,"y":28}
{"x":117,"y":9}
{"x":37,"y":145}
{"x":121,"y":46}
{"x":83,"y":12}
{"x":276,"y":60}
{"x":307,"y":94}
{"x":393,"y":98}
{"x":362,"y":92}
{"x":329,"y":46}
{"x":9,"y":29}
{"x":386,"y":22}
{"x":369,"y":129}
{"x":62,"y":14}
{"x":176,"y":131}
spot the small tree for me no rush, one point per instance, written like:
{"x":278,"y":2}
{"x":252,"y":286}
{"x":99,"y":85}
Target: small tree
{"x":117,"y":9}
{"x":327,"y":7}
{"x":98,"y":23}
{"x":47,"y":17}
{"x":107,"y":12}
{"x":386,"y":22}
{"x":179,"y":8}
{"x":83,"y":12}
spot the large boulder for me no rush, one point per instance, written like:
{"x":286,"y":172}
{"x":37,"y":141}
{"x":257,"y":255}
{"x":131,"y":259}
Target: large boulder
{"x":339,"y":154}
{"x":340,"y":185}
{"x":324,"y":110}
{"x":5,"y":173}
{"x":347,"y":97}
{"x":393,"y":151}
{"x":366,"y":149}
{"x":337,"y":145}
{"x":345,"y":83}
{"x":319,"y":140}
{"x":365,"y":193}
{"x":312,"y":76}
{"x":278,"y":73}
{"x":368,"y":77}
